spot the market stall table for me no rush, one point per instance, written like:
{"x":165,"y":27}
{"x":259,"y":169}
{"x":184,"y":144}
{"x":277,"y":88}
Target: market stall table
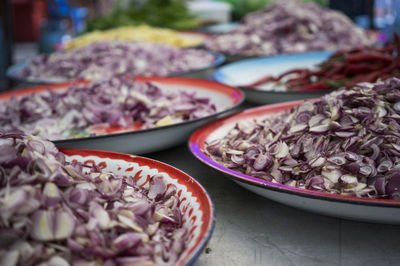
{"x":252,"y":230}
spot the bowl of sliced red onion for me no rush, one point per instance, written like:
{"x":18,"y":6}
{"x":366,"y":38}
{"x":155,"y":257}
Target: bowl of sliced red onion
{"x":289,"y":27}
{"x":102,"y":60}
{"x":338,"y":155}
{"x":86,"y":207}
{"x":124,"y":115}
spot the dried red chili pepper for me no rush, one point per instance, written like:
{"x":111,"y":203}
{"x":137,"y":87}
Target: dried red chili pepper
{"x":343,"y":68}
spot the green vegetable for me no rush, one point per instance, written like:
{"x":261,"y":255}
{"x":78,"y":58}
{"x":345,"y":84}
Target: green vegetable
{"x":335,"y":83}
{"x":243,"y":7}
{"x":77,"y":133}
{"x":159,"y":13}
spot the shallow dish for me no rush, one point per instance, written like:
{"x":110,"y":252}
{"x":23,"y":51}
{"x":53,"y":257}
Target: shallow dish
{"x":248,"y":71}
{"x":12,"y":72}
{"x":195,"y":203}
{"x":348,"y":207}
{"x":219,"y":28}
{"x":154,"y":139}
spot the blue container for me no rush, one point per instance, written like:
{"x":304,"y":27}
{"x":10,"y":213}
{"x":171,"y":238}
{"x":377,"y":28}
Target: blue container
{"x":52,"y":32}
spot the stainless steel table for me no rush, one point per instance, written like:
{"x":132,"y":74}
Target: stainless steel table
{"x":252,"y":230}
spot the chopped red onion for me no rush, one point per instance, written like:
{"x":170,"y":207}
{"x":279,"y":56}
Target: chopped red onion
{"x":290,"y":27}
{"x":95,"y":218}
{"x":364,"y":162}
{"x":115,"y":58}
{"x":82,"y":109}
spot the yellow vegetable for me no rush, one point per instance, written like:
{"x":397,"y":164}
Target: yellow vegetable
{"x":139,"y":33}
{"x":165,"y":121}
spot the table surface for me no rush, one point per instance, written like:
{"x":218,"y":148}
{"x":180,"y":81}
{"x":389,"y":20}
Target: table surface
{"x":252,"y":230}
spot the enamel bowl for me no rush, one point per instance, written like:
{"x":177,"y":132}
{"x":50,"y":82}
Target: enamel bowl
{"x":12,"y":72}
{"x":244,"y":72}
{"x":139,"y":141}
{"x":195,"y":203}
{"x":348,"y":207}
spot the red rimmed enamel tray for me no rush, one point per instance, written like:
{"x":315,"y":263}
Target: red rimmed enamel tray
{"x":139,"y":141}
{"x":348,"y":207}
{"x":195,"y":203}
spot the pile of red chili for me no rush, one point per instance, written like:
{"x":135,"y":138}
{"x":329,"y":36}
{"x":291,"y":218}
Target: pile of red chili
{"x":343,"y":68}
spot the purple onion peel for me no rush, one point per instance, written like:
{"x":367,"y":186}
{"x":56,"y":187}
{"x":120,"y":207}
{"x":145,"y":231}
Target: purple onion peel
{"x":364,"y":162}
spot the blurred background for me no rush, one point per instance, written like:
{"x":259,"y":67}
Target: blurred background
{"x":29,"y":27}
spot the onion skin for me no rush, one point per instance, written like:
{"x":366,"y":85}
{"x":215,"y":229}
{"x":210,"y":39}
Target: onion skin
{"x":53,"y":212}
{"x":393,"y":185}
{"x":351,"y":145}
{"x":100,"y":107}
{"x":293,"y":27}
{"x":104,"y":60}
